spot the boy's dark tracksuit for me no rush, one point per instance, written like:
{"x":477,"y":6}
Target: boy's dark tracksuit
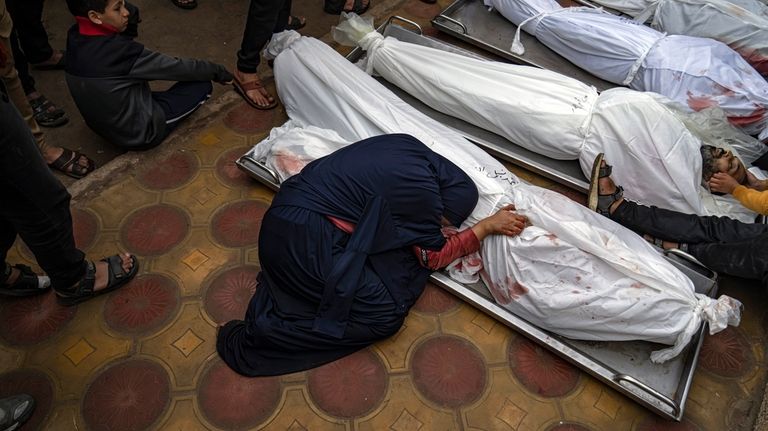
{"x":108,"y":76}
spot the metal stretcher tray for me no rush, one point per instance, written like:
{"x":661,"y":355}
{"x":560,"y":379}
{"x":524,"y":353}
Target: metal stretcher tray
{"x":470,"y":20}
{"x":624,"y":366}
{"x":566,"y":172}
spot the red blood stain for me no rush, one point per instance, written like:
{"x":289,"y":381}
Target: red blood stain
{"x":755,"y":116}
{"x":578,"y":278}
{"x":699,"y":103}
{"x":755,"y":58}
{"x":636,"y":285}
{"x":552,"y":237}
{"x":725,"y":91}
{"x":517,"y":290}
{"x":289,"y":162}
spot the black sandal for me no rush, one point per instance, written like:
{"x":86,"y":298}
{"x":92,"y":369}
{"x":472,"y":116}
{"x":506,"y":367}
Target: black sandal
{"x":296,"y":23}
{"x":116,"y":279}
{"x":26,"y":284}
{"x":596,"y":201}
{"x":68,"y":164}
{"x":336,"y":7}
{"x":185,"y":4}
{"x":44,"y":115}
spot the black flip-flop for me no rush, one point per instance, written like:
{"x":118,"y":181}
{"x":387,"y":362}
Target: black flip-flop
{"x":188,"y":5}
{"x":117,"y":278}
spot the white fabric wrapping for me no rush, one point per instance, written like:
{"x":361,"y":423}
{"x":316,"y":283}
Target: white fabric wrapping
{"x":740,"y":24}
{"x":656,"y":156}
{"x":358,"y":107}
{"x":624,"y":52}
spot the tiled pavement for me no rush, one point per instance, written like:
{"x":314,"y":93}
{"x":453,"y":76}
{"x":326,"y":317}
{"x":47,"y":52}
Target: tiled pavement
{"x":144,"y":357}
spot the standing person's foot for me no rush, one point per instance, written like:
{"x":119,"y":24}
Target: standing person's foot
{"x":20,"y":280}
{"x":15,"y":410}
{"x":604,"y":195}
{"x":249,"y":86}
{"x":185,"y":4}
{"x":46,"y":113}
{"x":70,"y":163}
{"x":101,"y":277}
{"x":58,"y":60}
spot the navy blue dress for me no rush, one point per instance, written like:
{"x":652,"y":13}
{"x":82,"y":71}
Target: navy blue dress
{"x":322,"y":293}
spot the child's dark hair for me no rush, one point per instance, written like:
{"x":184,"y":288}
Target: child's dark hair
{"x":81,"y":7}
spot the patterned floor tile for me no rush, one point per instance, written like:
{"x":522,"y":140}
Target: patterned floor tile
{"x":84,"y":347}
{"x":228,"y":294}
{"x":33,"y":319}
{"x":350,"y":387}
{"x":129,"y":395}
{"x":540,"y":371}
{"x":228,"y":173}
{"x":296,"y":413}
{"x":486,"y":333}
{"x":202,"y":197}
{"x":246,"y":120}
{"x":449,"y":371}
{"x":154,"y":230}
{"x":184,"y":346}
{"x":110,"y":205}
{"x":144,"y":306}
{"x":194,"y":260}
{"x":10,"y":359}
{"x":505,"y":407}
{"x":404,"y":410}
{"x":65,"y":418}
{"x":184,"y":417}
{"x":170,"y":172}
{"x":34,"y":383}
{"x":594,"y":404}
{"x":231,"y":401}
{"x":86,"y":228}
{"x":237,"y":224}
{"x":397,"y":348}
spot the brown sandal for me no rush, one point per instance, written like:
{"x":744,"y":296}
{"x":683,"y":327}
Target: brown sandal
{"x":242,"y":88}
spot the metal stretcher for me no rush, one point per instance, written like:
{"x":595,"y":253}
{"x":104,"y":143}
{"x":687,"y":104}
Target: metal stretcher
{"x":624,"y":366}
{"x":471,"y":21}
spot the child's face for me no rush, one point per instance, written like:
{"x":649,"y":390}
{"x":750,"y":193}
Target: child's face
{"x":115,"y":15}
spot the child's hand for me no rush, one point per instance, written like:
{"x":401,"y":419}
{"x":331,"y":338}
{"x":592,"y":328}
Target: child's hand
{"x":722,"y":183}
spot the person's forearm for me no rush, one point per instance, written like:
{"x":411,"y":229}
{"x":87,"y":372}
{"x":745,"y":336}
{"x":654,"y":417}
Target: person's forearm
{"x":456,"y":246}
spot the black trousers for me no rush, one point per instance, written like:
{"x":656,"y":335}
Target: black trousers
{"x":22,"y":65}
{"x":180,"y":101}
{"x":27,"y":18}
{"x":34,"y":204}
{"x":265,"y":17}
{"x":725,"y":245}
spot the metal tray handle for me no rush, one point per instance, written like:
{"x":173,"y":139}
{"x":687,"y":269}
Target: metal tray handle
{"x":407,"y":21}
{"x":687,"y":257}
{"x":455,"y":22}
{"x":619,"y":378}
{"x":264,"y":167}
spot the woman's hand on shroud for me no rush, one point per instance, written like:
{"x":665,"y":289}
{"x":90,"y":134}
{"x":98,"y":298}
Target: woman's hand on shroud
{"x":504,"y":222}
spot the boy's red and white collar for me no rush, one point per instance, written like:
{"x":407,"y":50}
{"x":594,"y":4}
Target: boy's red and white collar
{"x":87,"y":27}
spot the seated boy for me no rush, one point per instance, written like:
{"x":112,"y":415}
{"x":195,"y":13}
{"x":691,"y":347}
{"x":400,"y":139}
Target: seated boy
{"x":752,"y":193}
{"x":108,"y":76}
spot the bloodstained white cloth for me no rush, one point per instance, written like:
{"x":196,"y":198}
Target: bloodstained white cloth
{"x":630,"y":291}
{"x":692,"y":71}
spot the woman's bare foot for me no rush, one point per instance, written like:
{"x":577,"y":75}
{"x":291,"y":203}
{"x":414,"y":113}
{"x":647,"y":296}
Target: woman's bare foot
{"x":256,"y":93}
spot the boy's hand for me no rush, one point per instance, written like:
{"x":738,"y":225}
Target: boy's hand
{"x":225,"y":78}
{"x":722,"y":183}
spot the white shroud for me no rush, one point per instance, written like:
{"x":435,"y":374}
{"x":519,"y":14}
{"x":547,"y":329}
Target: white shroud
{"x":695,"y":72}
{"x":656,"y":155}
{"x":623,"y":285}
